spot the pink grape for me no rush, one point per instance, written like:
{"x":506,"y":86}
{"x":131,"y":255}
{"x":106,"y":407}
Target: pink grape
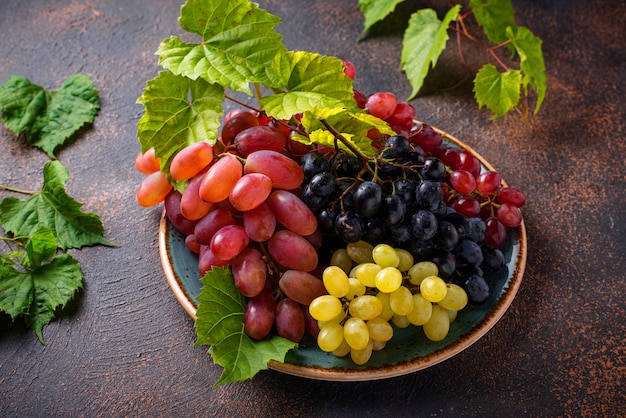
{"x":513,"y":196}
{"x":488,"y":182}
{"x":403,"y":115}
{"x":236,"y":121}
{"x":250,"y":272}
{"x":259,"y":223}
{"x":360,"y":99}
{"x":175,"y":216}
{"x":229,"y":241}
{"x":450,"y":157}
{"x":310,"y":324}
{"x":147,"y":163}
{"x":292,"y":251}
{"x":290,"y":320}
{"x":495,"y":233}
{"x":292,"y":212}
{"x":301,"y":287}
{"x":468,"y":162}
{"x":207,"y":260}
{"x":259,"y":315}
{"x":509,"y":215}
{"x":212,"y":222}
{"x":250,"y":191}
{"x":259,"y":138}
{"x":425,"y":137}
{"x":193,"y":244}
{"x":191,"y":160}
{"x":467,"y":206}
{"x":349,"y":69}
{"x":381,"y":104}
{"x":220,"y":179}
{"x":285,"y":173}
{"x":191,"y":205}
{"x":463,"y":181}
{"x":153,"y":189}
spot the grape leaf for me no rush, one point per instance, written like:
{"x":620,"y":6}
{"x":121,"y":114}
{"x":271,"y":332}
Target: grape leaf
{"x":37,"y":293}
{"x":53,"y":208}
{"x":312,"y":80}
{"x":238,"y":46}
{"x":375,"y":10}
{"x":48,"y":118}
{"x":528,"y":46}
{"x":351,"y":124}
{"x":41,"y":246}
{"x":499,"y":92}
{"x":424,"y":41}
{"x":495,"y":16}
{"x":219,"y":323}
{"x":178,"y":111}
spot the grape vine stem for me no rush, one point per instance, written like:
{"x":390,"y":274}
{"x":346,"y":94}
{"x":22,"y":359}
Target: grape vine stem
{"x":13,"y":189}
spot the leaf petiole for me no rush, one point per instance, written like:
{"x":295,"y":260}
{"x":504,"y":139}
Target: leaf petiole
{"x":13,"y":189}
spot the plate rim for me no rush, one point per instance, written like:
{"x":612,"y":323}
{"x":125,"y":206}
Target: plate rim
{"x":388,"y":371}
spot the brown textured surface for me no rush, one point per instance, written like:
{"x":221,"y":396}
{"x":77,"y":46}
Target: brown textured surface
{"x":126,"y":347}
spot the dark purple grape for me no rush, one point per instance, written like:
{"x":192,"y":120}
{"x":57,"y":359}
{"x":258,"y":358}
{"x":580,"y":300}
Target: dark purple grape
{"x":460,"y":222}
{"x":349,"y":227}
{"x":468,"y":253}
{"x":478,"y":229}
{"x":477,"y":288}
{"x":445,"y":261}
{"x":406,"y":190}
{"x":346,"y":165}
{"x":368,"y":198}
{"x":314,"y":201}
{"x":429,"y":194}
{"x":348,"y":196}
{"x":322,"y":184}
{"x":401,"y":232}
{"x":424,"y":225}
{"x":446,"y":237}
{"x":396,"y":146}
{"x":313,"y":163}
{"x":493,"y":259}
{"x":434,"y":169}
{"x":420,"y":249}
{"x":326,"y":219}
{"x":393,"y":210}
{"x":374,"y":230}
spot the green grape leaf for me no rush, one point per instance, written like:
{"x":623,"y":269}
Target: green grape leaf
{"x":351,"y":124}
{"x":239,"y":44}
{"x":41,"y":246}
{"x":499,"y":92}
{"x":313,"y":80}
{"x":53,"y":208}
{"x":375,"y":10}
{"x":37,"y":293}
{"x":220,"y":323}
{"x":48,"y":118}
{"x":178,"y":111}
{"x":424,"y":41}
{"x":532,"y":65}
{"x":494,"y":16}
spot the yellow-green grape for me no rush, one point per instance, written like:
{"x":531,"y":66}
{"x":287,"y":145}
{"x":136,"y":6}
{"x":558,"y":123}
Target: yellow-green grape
{"x":356,"y":334}
{"x":387,"y":312}
{"x":365,"y":307}
{"x":452,"y":315}
{"x":388,"y":279}
{"x":378,"y":345}
{"x":366,"y":273}
{"x":379,"y":329}
{"x":401,"y":301}
{"x":385,"y":256}
{"x":325,"y":307}
{"x":330,"y":337}
{"x":437,"y":327}
{"x":422,"y":310}
{"x":352,"y":272}
{"x":360,"y":252}
{"x":336,"y":281}
{"x":337,"y":319}
{"x":456,"y":298}
{"x":406,"y":259}
{"x":433,"y":289}
{"x":343,"y":349}
{"x":400,"y":321}
{"x":356,"y":288}
{"x":341,"y":259}
{"x":363,"y":355}
{"x":419,"y":271}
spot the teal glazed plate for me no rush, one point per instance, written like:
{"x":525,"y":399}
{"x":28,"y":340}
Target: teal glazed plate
{"x":407,"y":352}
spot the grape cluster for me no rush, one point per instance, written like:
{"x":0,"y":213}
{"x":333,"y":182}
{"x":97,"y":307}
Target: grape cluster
{"x":370,"y":287}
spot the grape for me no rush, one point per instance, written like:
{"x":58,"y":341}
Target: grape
{"x":292,"y":251}
{"x":325,"y":307}
{"x":349,"y":69}
{"x":460,"y":222}
{"x":488,"y":182}
{"x":235,"y":122}
{"x":433,"y":289}
{"x":445,"y":261}
{"x":292,"y":213}
{"x":425,"y":137}
{"x":285,"y":173}
{"x":388,"y":279}
{"x":419,"y":271}
{"x":330,"y":337}
{"x":359,"y":98}
{"x":191,"y":205}
{"x":406,"y":259}
{"x":402,"y":115}
{"x":310,"y":324}
{"x":259,"y":223}
{"x":381,"y":104}
{"x":360,"y":252}
{"x":290,"y":320}
{"x":368,"y":198}
{"x":174,"y":214}
{"x":477,"y":288}
{"x":343,"y":350}
{"x":429,"y":194}
{"x":387,"y":312}
{"x":424,"y":225}
{"x":379,"y":329}
{"x":363,"y":355}
{"x":191,"y":160}
{"x":259,"y":138}
{"x":356,"y":333}
{"x":495,"y":232}
{"x":374,"y":230}
{"x":393,"y":210}
{"x":301,"y":286}
{"x":452,"y":315}
{"x":349,"y":227}
{"x":366,"y":273}
{"x":463,"y":181}
{"x":405,"y":188}
{"x":511,"y":195}
{"x":220,"y":179}
{"x":509,"y":215}
{"x":438,"y":325}
{"x":192,"y":244}
{"x":468,"y":253}
{"x":456,"y":298}
{"x":259,"y":315}
{"x":400,"y":321}
{"x":322,"y":184}
{"x":450,"y":157}
{"x":207,"y":260}
{"x":401,"y":301}
{"x":396,"y":146}
{"x":346,"y":165}
{"x":356,"y":288}
{"x":153,"y":189}
{"x":336,"y":281}
{"x":446,"y":237}
{"x":215,"y":220}
{"x":385,"y":256}
{"x":493,"y":259}
{"x":313,"y":163}
{"x":467,"y":206}
{"x":468,"y":162}
{"x":250,"y":191}
{"x":421,"y":312}
{"x":250,"y":272}
{"x":478,"y":229}
{"x":341,"y":259}
{"x":365,"y":307}
{"x":147,"y":163}
{"x":229,"y":241}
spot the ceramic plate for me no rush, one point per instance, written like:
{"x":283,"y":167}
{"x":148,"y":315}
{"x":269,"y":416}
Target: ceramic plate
{"x":408,"y":351}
